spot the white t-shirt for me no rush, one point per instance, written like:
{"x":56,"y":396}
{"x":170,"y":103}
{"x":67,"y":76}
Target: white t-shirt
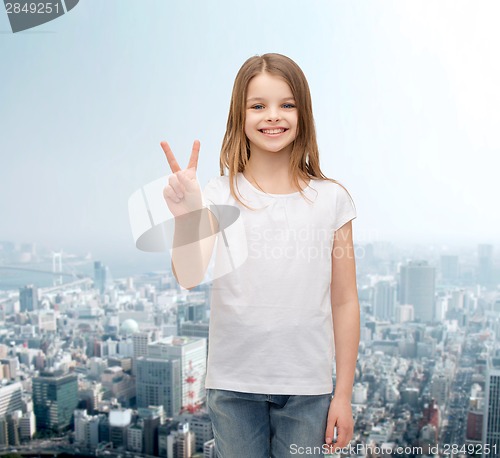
{"x":271,"y":328}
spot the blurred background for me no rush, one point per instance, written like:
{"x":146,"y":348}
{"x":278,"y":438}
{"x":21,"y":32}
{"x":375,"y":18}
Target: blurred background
{"x":407,"y":107}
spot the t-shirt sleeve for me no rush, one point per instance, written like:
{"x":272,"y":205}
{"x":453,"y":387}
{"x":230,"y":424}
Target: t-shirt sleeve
{"x":211,"y":196}
{"x":209,"y":192}
{"x":344,"y":208}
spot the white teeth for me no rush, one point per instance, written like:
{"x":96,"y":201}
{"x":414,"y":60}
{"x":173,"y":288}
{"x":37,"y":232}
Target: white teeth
{"x":273,"y":131}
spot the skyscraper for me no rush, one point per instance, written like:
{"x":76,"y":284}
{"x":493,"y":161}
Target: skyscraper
{"x":384,"y":300}
{"x":449,"y":268}
{"x":10,"y":398}
{"x":140,"y":341}
{"x":100,"y":276}
{"x":491,"y":423}
{"x":55,"y":397}
{"x":28,"y":298}
{"x":485,"y":265}
{"x":191,"y":352}
{"x":417,"y":288}
{"x":158,"y":383}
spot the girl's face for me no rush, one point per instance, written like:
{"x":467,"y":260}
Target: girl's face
{"x":271,"y":115}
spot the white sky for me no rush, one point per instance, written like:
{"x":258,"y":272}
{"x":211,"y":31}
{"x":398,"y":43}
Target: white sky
{"x":405,"y":96}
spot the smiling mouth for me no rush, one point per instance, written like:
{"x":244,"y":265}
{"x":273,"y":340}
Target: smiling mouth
{"x":273,"y":132}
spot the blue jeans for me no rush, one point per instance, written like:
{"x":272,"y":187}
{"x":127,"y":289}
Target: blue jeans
{"x":250,"y":425}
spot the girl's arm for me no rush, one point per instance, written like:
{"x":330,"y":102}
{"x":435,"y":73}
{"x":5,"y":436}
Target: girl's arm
{"x":195,"y":225}
{"x":345,"y":314}
{"x":345,"y":310}
{"x":190,"y":259}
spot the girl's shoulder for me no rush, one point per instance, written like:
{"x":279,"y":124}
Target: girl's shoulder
{"x":217,"y":182}
{"x":216,"y":188}
{"x":332,"y":190}
{"x":327,"y":185}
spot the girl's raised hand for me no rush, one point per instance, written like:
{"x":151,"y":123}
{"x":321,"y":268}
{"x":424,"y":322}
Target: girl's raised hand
{"x":183,"y":192}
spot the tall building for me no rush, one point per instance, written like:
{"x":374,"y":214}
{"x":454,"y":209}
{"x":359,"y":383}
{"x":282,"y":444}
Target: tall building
{"x":4,"y":432}
{"x":27,"y":426}
{"x":55,"y":397}
{"x":485,"y":265}
{"x":449,"y":268}
{"x":90,"y":393}
{"x":475,"y":418}
{"x":491,"y":423}
{"x":165,"y":447}
{"x":201,"y":425}
{"x":384,"y":300}
{"x":140,"y":342}
{"x":119,"y":421}
{"x":192,"y":353}
{"x":440,"y":387}
{"x":100,"y":276}
{"x":153,"y":417}
{"x":151,"y":435}
{"x":209,"y":449}
{"x":13,"y":427}
{"x":10,"y":398}
{"x":135,"y":436}
{"x":158,"y":382}
{"x":9,"y":367}
{"x":182,"y":441}
{"x":190,"y":312}
{"x":417,"y":288}
{"x":86,"y":430}
{"x":28,"y":298}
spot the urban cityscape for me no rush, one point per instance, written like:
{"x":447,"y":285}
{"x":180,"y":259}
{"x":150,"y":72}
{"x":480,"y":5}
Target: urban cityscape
{"x":93,"y":365}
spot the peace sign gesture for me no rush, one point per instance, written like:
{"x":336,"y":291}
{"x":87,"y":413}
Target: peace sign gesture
{"x":183,"y":192}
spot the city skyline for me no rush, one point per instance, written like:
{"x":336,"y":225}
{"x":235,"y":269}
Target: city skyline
{"x":425,"y":375}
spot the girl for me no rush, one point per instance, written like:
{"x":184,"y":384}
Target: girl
{"x":275,"y":317}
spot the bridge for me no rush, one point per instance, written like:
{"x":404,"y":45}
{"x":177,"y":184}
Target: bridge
{"x":49,"y":272}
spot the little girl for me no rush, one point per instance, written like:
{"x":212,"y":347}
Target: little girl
{"x":277,"y":315}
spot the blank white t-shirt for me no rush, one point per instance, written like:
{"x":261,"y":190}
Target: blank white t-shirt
{"x":271,"y":328}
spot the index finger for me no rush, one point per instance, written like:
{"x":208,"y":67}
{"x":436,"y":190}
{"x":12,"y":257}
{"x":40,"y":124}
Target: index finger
{"x":193,"y":160}
{"x":174,"y":166}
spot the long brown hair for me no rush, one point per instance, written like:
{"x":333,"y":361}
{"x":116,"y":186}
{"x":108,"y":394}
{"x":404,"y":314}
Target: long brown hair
{"x":235,"y":151}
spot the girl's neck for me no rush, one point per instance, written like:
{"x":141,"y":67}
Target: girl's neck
{"x":267,"y":171}
{"x":271,"y":176}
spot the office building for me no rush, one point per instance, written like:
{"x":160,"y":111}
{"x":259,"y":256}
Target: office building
{"x":158,"y":383}
{"x":28,"y":298}
{"x":119,"y":422}
{"x":27,"y":426}
{"x":135,"y":437}
{"x":485,"y":265}
{"x":55,"y":397}
{"x":449,"y":269}
{"x":100,"y":276}
{"x":10,"y":398}
{"x":192,"y":353}
{"x":201,"y":426}
{"x":417,"y":288}
{"x":384,"y":300}
{"x":491,"y":423}
{"x":86,"y":430}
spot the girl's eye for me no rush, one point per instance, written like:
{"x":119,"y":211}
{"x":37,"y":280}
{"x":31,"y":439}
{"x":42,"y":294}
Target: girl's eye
{"x":257,"y":106}
{"x":289,"y":105}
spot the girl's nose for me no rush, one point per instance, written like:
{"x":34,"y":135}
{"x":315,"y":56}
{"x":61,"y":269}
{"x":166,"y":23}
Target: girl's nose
{"x":273,"y":117}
